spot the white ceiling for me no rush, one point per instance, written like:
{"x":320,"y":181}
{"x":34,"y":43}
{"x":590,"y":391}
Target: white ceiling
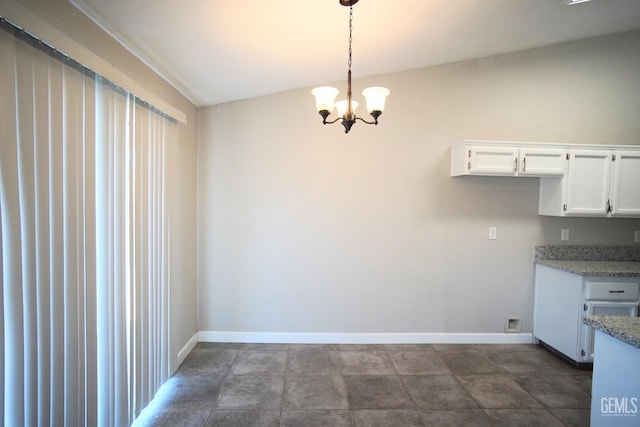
{"x":215,"y":51}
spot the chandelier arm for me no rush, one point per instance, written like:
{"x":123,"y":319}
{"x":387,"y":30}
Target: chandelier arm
{"x":325,"y":122}
{"x":369,"y":123}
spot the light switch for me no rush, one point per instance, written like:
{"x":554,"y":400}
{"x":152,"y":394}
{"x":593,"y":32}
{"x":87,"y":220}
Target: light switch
{"x":636,"y":237}
{"x":492,"y":233}
{"x":564,"y":235}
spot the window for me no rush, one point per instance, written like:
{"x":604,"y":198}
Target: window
{"x":85,"y":241}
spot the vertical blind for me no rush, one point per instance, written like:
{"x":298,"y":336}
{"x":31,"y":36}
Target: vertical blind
{"x":85,"y":243}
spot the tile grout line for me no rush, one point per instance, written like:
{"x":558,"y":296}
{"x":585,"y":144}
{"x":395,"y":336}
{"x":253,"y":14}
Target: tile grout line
{"x":284,"y":382}
{"x":416,"y":408}
{"x":352,"y":419}
{"x":222,"y":386}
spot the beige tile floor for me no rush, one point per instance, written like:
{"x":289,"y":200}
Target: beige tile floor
{"x":371,"y":385}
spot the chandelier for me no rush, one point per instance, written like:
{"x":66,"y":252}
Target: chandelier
{"x":326,"y":96}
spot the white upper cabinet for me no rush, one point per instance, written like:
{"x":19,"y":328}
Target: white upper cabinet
{"x":542,"y":161}
{"x":506,"y":159}
{"x":599,"y":183}
{"x":588,"y":183}
{"x":575,"y":179}
{"x":625,"y":185}
{"x":492,"y":160}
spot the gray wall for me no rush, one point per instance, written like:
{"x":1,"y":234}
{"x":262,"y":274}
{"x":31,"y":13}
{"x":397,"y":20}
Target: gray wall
{"x":302,"y":228}
{"x":67,"y":19}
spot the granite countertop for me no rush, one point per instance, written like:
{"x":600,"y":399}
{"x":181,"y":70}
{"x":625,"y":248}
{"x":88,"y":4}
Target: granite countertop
{"x":595,"y":268}
{"x":591,"y":260}
{"x":624,"y":328}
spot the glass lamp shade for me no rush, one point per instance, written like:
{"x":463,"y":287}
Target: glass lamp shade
{"x":341,"y":106}
{"x":325,"y":97}
{"x":375,"y":96}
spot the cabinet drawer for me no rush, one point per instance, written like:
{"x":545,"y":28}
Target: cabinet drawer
{"x":612,"y":291}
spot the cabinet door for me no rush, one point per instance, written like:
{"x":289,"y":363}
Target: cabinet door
{"x":589,"y":183}
{"x":493,"y":160}
{"x":625,"y":190}
{"x":601,"y":308}
{"x":542,"y":162}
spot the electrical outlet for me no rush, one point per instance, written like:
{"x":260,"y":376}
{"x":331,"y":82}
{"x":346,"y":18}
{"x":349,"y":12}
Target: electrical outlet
{"x":636,"y":237}
{"x":492,"y":233}
{"x":564,"y":235}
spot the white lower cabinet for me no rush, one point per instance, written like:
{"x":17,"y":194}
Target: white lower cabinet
{"x":562,"y":299}
{"x":615,"y":389}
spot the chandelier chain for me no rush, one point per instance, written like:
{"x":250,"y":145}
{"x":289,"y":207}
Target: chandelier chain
{"x":350,"y":31}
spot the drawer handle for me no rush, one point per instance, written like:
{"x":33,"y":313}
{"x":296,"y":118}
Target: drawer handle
{"x":616,"y":292}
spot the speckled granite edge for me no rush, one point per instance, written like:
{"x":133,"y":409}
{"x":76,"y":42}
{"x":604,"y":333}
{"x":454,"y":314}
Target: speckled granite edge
{"x":595,"y":268}
{"x":624,"y":328}
{"x":586,"y":253}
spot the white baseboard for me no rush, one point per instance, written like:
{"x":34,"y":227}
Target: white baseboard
{"x":184,"y":352}
{"x":365,"y":338}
